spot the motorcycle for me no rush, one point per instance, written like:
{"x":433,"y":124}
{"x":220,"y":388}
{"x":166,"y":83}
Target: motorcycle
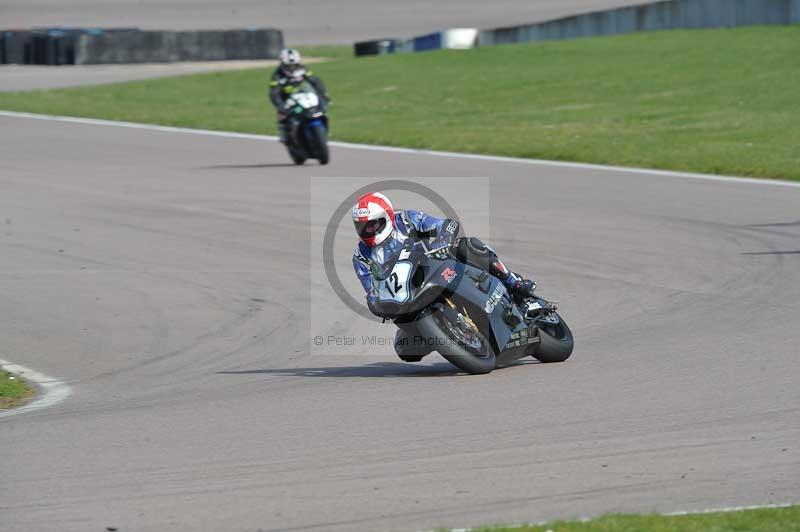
{"x":307,"y":126}
{"x":464,"y":313}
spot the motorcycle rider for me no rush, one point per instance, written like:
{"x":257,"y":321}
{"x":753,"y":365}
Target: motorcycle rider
{"x":382,"y":231}
{"x":290,"y":73}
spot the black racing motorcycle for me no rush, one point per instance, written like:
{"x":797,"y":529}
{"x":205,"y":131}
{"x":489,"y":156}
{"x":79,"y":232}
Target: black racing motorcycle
{"x":464,"y":313}
{"x":306,"y":125}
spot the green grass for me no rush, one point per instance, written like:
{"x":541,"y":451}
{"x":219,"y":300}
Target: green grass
{"x":717,"y":101}
{"x":765,"y":520}
{"x":13,"y":390}
{"x":329,"y":52}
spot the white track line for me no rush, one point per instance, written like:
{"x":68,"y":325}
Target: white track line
{"x":52,"y":391}
{"x":723,"y":510}
{"x":733,"y":509}
{"x":391,"y":149}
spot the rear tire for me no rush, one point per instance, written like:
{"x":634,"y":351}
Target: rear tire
{"x":555,"y":343}
{"x":321,"y":145}
{"x":474,"y":362}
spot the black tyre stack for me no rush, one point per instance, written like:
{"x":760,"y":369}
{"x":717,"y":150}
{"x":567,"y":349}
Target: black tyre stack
{"x":78,"y":46}
{"x":376,"y":47}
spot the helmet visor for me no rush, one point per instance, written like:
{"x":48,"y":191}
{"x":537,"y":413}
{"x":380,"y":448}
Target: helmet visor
{"x":370,"y":228}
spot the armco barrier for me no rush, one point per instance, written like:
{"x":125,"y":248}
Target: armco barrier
{"x":456,"y":38}
{"x":66,"y":46}
{"x":664,"y":15}
{"x":460,"y":38}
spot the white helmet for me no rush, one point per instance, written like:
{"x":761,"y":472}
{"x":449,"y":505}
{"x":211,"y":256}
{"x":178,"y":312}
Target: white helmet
{"x":290,"y":56}
{"x":290,"y":63}
{"x":373,"y":216}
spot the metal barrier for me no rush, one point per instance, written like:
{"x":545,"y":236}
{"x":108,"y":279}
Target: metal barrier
{"x":456,"y":38}
{"x":665,"y":15}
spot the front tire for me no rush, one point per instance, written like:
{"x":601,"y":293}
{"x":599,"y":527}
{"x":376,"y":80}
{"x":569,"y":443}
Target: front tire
{"x":555,"y":342}
{"x":320,"y":139}
{"x":297,"y":158}
{"x":296,"y":153}
{"x":475,"y":357}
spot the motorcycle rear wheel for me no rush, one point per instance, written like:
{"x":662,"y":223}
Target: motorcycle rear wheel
{"x":476,"y":357}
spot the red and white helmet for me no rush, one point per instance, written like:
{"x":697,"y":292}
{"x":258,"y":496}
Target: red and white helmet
{"x":373,"y":216}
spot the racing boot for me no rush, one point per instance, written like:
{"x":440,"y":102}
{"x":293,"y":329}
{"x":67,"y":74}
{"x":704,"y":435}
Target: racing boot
{"x":517,"y":286}
{"x":521,"y":288}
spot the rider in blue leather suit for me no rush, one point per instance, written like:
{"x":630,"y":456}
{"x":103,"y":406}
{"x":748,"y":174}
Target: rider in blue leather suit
{"x":382,"y":231}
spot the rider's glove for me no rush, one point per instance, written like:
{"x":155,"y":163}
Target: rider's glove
{"x":440,"y":249}
{"x":449,"y":230}
{"x":446,"y":236}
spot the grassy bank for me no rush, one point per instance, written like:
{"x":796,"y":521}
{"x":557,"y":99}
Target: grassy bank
{"x":764,"y":520}
{"x":327,"y":52}
{"x":13,"y":390}
{"x":717,"y":101}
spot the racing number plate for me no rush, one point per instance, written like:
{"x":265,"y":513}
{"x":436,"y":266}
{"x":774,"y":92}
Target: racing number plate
{"x":395,"y":287}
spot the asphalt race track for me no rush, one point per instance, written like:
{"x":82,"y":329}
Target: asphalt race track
{"x":168,"y":278}
{"x":302,"y":21}
{"x":29,"y":77}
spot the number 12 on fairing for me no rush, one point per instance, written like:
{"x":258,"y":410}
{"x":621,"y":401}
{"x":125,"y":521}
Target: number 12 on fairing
{"x":395,"y":287}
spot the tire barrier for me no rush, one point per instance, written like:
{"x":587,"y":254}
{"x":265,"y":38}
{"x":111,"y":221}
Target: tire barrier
{"x":82,"y":46}
{"x":376,"y":47}
{"x":664,"y":15}
{"x":16,"y":46}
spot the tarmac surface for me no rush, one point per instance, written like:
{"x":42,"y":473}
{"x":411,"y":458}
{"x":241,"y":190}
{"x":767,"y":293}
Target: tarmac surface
{"x":31,"y":77}
{"x":302,"y":21}
{"x":172,"y":280}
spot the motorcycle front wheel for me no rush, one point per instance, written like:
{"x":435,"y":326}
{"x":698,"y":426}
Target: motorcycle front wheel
{"x":555,"y":342}
{"x":464,"y":347}
{"x":320,"y":142}
{"x":297,"y":158}
{"x":296,"y":153}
